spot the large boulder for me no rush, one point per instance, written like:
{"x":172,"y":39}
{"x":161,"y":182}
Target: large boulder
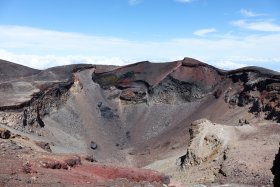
{"x":209,"y":141}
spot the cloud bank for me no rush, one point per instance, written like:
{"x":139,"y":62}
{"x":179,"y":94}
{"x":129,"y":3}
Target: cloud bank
{"x":51,"y":48}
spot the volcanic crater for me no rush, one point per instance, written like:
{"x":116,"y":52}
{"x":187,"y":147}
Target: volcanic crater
{"x":93,"y":125}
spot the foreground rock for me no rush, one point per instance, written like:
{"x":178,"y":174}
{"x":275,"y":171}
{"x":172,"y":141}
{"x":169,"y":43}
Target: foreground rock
{"x":209,"y":142}
{"x":226,"y":154}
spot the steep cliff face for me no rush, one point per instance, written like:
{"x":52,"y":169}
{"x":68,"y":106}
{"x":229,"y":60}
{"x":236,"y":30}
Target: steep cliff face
{"x":181,"y":81}
{"x":258,"y":89}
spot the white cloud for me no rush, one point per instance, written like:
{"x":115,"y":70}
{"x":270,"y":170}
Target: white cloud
{"x":36,"y":40}
{"x":41,"y":48}
{"x":228,"y":64}
{"x":133,"y":2}
{"x":203,"y":32}
{"x":235,"y":62}
{"x":266,"y":26}
{"x":184,"y":1}
{"x":46,"y":61}
{"x":248,"y":13}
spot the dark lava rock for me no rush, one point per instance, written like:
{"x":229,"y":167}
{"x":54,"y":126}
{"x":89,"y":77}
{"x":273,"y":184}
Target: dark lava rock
{"x":39,"y":120}
{"x":73,"y":161}
{"x":26,"y":168}
{"x":93,"y":145}
{"x":218,"y":93}
{"x":276,"y":169}
{"x":106,"y":112}
{"x":4,"y":133}
{"x":166,"y":179}
{"x":242,"y":122}
{"x":24,"y":121}
{"x":44,"y":145}
{"x":136,"y":95}
{"x":127,"y":134}
{"x":99,"y":104}
{"x":54,"y":165}
{"x":90,"y":158}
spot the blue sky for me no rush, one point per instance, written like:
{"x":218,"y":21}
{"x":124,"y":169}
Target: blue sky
{"x":225,"y":33}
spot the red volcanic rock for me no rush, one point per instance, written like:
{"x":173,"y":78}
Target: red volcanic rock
{"x":194,"y":71}
{"x":132,"y":174}
{"x":53,"y":169}
{"x":26,"y":168}
{"x":146,"y":75}
{"x":150,"y":73}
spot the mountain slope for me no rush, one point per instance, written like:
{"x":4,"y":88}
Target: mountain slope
{"x":10,"y":71}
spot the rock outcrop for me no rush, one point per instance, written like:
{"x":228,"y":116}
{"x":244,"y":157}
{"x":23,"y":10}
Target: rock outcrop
{"x":209,"y":141}
{"x":230,"y":154}
{"x":257,"y":88}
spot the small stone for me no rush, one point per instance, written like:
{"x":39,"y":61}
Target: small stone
{"x":93,"y":145}
{"x":4,"y":133}
{"x":91,"y":158}
{"x":99,"y":104}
